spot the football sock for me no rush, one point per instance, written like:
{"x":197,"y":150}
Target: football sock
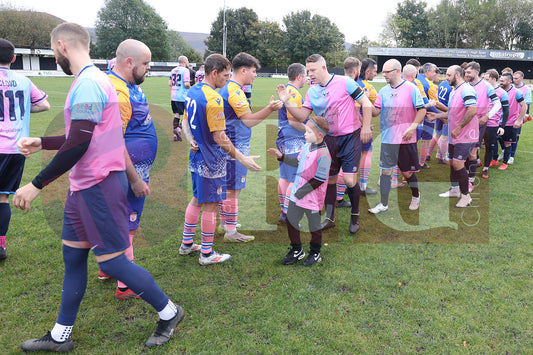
{"x":129,"y":255}
{"x":209,"y":224}
{"x":443,"y":147}
{"x":396,"y":173}
{"x":191,"y":221}
{"x":384,"y":188}
{"x":168,"y":312}
{"x":5,"y":217}
{"x":506,"y":154}
{"x":364,"y":169}
{"x":331,"y":197}
{"x":341,"y":187}
{"x":283,"y":185}
{"x":513,"y":146}
{"x":287,"y":198}
{"x":354,"y":193}
{"x":231,"y":212}
{"x":413,"y":184}
{"x":137,"y":278}
{"x":432,"y":145}
{"x":74,"y":284}
{"x":424,"y":149}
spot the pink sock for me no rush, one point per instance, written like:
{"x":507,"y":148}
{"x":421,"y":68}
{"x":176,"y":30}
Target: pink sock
{"x":282,"y":193}
{"x":432,"y":145}
{"x":231,"y":209}
{"x":3,"y":241}
{"x":364,"y":168}
{"x":424,"y":148}
{"x":341,"y":186}
{"x":209,"y":224}
{"x":191,"y":220}
{"x":443,"y":147}
{"x":287,"y":198}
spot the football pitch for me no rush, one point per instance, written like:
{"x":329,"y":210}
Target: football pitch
{"x":440,"y":280}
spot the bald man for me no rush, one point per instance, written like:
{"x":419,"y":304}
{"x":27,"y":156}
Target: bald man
{"x":402,"y":109}
{"x":95,"y":215}
{"x":132,"y":64}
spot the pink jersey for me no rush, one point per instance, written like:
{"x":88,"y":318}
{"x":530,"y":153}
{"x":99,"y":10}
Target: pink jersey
{"x":399,"y":106}
{"x":515,"y":98}
{"x":460,"y":99}
{"x":18,"y":95}
{"x":494,"y":121}
{"x":485,"y":97}
{"x":92,"y":97}
{"x":335,"y":102}
{"x":314,"y":162}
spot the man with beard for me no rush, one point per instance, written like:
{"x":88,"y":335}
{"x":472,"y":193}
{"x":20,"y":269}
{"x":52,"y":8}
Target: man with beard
{"x":333,"y":98}
{"x":96,"y":210}
{"x":132,"y":64}
{"x":464,"y":132}
{"x":488,"y":104}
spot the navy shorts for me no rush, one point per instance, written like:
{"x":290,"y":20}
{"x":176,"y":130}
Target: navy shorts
{"x":366,"y":147}
{"x":403,"y":155}
{"x":509,"y":136}
{"x":135,"y":208}
{"x":460,"y":151}
{"x":345,"y":152}
{"x":178,"y":107}
{"x":11,"y":169}
{"x":99,"y":215}
{"x":425,"y":130}
{"x":208,"y":190}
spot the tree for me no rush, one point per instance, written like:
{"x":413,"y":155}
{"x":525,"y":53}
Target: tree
{"x":238,"y":39}
{"x":25,"y":28}
{"x":267,"y":39}
{"x":412,"y":23}
{"x":306,"y":34}
{"x":178,"y":46}
{"x":118,"y":20}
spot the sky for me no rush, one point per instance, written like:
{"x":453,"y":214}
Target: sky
{"x":197,"y":16}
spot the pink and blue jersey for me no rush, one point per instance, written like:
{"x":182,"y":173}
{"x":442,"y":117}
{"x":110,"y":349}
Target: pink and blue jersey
{"x":178,"y":77}
{"x":335,"y":102}
{"x":399,"y":106}
{"x":495,"y":120}
{"x":486,"y":97}
{"x":526,"y":91}
{"x":290,"y":140}
{"x":515,"y":99}
{"x":460,"y":99}
{"x":314,"y":162}
{"x":17,"y":95}
{"x":92,"y":97}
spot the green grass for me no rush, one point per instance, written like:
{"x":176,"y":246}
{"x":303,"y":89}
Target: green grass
{"x":433,"y":281}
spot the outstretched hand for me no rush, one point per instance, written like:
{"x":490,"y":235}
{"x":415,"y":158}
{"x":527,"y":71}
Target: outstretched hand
{"x":274,"y":152}
{"x":250,"y":164}
{"x":29,"y":145}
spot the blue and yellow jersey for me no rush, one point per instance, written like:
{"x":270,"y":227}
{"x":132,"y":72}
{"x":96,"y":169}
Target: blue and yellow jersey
{"x":204,"y":113}
{"x":235,"y":106}
{"x":430,"y":89}
{"x":139,"y":130}
{"x":290,"y":140}
{"x":420,"y":88}
{"x":369,"y":90}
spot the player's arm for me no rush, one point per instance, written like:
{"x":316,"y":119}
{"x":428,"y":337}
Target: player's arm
{"x":291,"y":161}
{"x":223,"y":141}
{"x":469,"y":115}
{"x":496,"y":106}
{"x":41,"y":106}
{"x":252,"y":119}
{"x":367,"y":109}
{"x":420,"y":114}
{"x":300,"y":114}
{"x":72,"y":150}
{"x":520,"y":119}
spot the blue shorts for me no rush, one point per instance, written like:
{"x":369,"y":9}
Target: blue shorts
{"x":286,"y":171}
{"x":425,"y":130}
{"x":207,"y":190}
{"x":99,"y":215}
{"x":11,"y":168}
{"x":366,"y":147}
{"x":135,"y":209}
{"x":441,"y":128}
{"x":403,"y":155}
{"x":345,"y":152}
{"x":460,"y":151}
{"x":236,"y":175}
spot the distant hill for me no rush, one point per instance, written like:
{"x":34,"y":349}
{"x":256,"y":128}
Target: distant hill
{"x":196,"y":40}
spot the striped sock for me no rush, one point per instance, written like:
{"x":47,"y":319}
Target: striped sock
{"x":231,"y":210}
{"x":282,"y":193}
{"x":364,"y":168}
{"x":424,"y":148}
{"x":209,"y":224}
{"x":432,"y":145}
{"x":341,"y":187}
{"x":287,"y":198}
{"x":191,"y":221}
{"x":443,"y":147}
{"x":395,"y":176}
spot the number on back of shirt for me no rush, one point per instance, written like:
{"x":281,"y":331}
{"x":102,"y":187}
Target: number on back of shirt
{"x":176,"y":79}
{"x":10,"y":97}
{"x":191,"y":106}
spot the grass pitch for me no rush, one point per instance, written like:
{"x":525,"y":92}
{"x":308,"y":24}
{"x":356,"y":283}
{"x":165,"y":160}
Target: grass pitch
{"x":438,"y":280}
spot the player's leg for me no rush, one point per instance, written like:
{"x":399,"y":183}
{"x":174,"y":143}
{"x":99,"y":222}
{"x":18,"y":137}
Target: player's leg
{"x":388,"y":160}
{"x":364,"y":169}
{"x":331,"y":190}
{"x":350,"y":159}
{"x":294,"y":216}
{"x":315,"y":244}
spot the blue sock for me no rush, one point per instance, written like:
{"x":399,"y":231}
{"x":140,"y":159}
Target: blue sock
{"x":5,"y":217}
{"x":74,"y":284}
{"x":137,"y":278}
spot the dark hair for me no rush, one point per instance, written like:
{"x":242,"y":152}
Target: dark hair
{"x":216,"y":62}
{"x":414,"y":62}
{"x":365,"y":64}
{"x":294,"y":70}
{"x":508,"y":76}
{"x":321,"y":122}
{"x":493,"y":73}
{"x":474,"y":65}
{"x":7,"y":51}
{"x":245,"y":60}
